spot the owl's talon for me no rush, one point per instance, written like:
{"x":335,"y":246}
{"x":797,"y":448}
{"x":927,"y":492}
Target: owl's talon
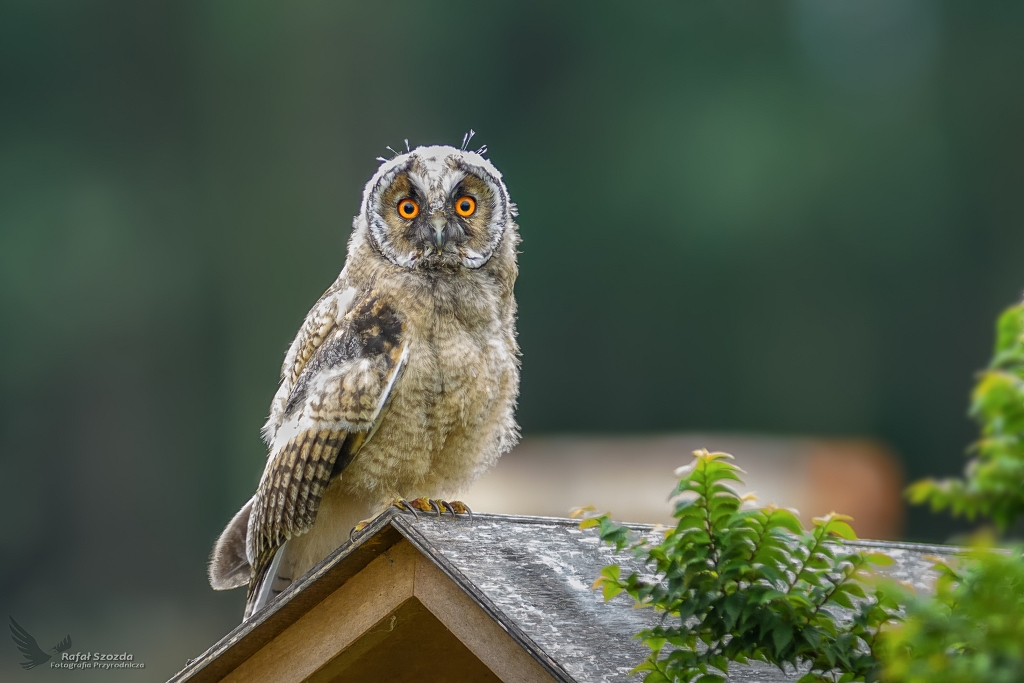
{"x":424,"y":505}
{"x":405,"y":506}
{"x":454,"y":507}
{"x":437,"y":506}
{"x":358,"y":529}
{"x":461,"y":508}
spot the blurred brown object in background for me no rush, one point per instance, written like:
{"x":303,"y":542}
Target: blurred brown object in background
{"x":860,"y":478}
{"x":631,"y":476}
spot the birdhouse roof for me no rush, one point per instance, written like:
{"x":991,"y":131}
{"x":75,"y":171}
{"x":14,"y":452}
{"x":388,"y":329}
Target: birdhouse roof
{"x":526,"y":578}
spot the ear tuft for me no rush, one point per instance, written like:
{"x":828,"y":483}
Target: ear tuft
{"x":229,"y":566}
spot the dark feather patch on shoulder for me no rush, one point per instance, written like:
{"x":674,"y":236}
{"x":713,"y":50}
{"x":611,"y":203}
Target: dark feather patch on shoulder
{"x":377,"y":328}
{"x":371,"y":330}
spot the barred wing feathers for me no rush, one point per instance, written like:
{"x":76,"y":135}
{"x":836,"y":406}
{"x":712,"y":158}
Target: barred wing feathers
{"x":332,"y":409}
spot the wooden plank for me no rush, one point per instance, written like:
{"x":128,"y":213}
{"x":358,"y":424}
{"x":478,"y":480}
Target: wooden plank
{"x":335,"y":623}
{"x":420,"y":541}
{"x":409,"y":646}
{"x":475,"y":628}
{"x":313,"y":648}
{"x":248,"y":637}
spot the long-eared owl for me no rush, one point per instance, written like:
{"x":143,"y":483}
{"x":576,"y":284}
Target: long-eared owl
{"x":402,"y":381}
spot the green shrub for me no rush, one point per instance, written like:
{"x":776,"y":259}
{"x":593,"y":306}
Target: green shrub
{"x":970,"y":631}
{"x":972,"y":628}
{"x":993,"y":482}
{"x":735,"y":584}
{"x":748,"y":584}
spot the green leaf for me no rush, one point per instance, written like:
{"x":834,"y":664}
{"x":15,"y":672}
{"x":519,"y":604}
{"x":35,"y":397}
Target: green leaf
{"x":842,"y":599}
{"x":786,"y":520}
{"x":1009,"y":329}
{"x":843,"y":530}
{"x":720,"y":662}
{"x":880,"y":559}
{"x":782,"y":636}
{"x":657,"y":677}
{"x":655,"y":643}
{"x":609,"y":590}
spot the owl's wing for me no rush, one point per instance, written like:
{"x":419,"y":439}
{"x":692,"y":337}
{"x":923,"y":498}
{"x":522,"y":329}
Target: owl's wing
{"x":333,"y":408}
{"x":230,"y":566}
{"x":320,"y":323}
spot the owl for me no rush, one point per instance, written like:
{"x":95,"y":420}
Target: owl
{"x":400,"y":386}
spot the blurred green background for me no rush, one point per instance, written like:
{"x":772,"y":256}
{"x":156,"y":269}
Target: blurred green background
{"x":783,"y":217}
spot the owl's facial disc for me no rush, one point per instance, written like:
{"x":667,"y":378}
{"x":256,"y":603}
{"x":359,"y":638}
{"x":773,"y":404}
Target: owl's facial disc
{"x":437,"y":212}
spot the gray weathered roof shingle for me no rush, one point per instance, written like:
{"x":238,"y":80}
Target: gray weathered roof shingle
{"x":532,"y":575}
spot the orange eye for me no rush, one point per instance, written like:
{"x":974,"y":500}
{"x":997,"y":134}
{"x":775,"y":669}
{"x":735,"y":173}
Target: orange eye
{"x":408,"y":209}
{"x":465,"y":206}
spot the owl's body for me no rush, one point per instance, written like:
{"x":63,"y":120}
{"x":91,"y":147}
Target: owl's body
{"x":403,"y":378}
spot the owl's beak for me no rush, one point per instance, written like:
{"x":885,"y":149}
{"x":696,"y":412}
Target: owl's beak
{"x":438,"y":223}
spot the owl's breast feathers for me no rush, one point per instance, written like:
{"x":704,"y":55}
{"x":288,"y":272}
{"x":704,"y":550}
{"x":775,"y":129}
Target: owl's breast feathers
{"x":337,"y":378}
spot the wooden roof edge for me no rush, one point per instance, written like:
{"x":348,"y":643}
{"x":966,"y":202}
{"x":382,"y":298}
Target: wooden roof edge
{"x":349,"y":559}
{"x":421,"y":543}
{"x":281,"y":612}
{"x":385,"y":531}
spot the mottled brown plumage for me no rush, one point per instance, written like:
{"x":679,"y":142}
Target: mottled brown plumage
{"x":402,"y":380}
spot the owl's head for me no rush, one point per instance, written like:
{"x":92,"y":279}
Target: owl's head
{"x":437,"y":208}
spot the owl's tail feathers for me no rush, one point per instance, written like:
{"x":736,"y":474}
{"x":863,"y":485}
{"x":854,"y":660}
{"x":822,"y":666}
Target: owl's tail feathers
{"x":229,"y":565}
{"x":270,"y":582}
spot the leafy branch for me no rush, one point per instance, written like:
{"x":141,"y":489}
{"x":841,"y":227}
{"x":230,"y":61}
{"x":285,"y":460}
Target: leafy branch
{"x":970,"y":631}
{"x":993,"y":481}
{"x":736,"y":583}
